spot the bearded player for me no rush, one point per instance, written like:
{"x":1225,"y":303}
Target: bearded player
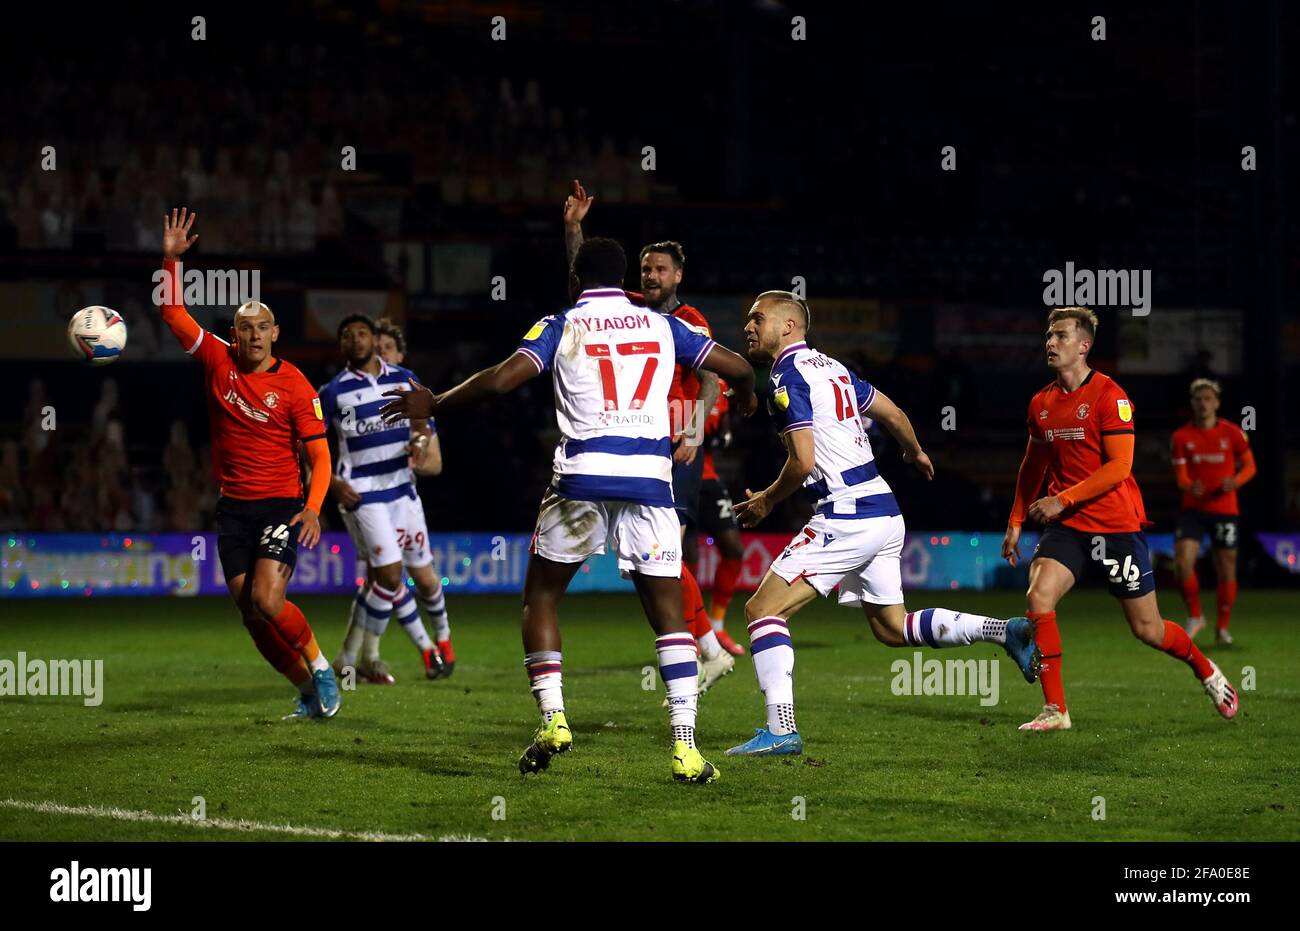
{"x":375,"y":490}
{"x":691,"y":395}
{"x":1081,"y":437}
{"x":261,"y":409}
{"x":1211,"y":459}
{"x":612,"y":364}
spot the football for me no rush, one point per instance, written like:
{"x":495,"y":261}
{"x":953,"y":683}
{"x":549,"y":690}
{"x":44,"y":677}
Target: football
{"x":97,"y":335}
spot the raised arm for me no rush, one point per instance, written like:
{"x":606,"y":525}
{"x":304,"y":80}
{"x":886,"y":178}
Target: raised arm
{"x":168,"y":294}
{"x":576,"y":206}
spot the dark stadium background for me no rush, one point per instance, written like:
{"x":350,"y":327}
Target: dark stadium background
{"x":775,"y":159}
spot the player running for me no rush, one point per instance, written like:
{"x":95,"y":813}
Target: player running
{"x":375,"y":490}
{"x":612,"y":363}
{"x":260,"y":409}
{"x":855,"y":537}
{"x":1081,"y":437}
{"x":1211,"y":459}
{"x":691,"y":395}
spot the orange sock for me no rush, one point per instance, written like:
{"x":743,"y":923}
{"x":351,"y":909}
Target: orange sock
{"x":724,"y":586}
{"x":1048,"y":638}
{"x":1192,"y":595}
{"x":1227,"y":592}
{"x":693,"y":605}
{"x":293,"y":627}
{"x":284,"y":657}
{"x":1178,"y":645}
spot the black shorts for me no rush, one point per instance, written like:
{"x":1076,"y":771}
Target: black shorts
{"x":716,"y":515}
{"x":686,"y":489}
{"x":1123,"y":559}
{"x":1223,"y":529}
{"x":251,"y":530}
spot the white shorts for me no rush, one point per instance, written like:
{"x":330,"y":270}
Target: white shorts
{"x":646,"y":539}
{"x":390,"y":531}
{"x":862,"y":557}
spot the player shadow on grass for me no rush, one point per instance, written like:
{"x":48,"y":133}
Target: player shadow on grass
{"x":225,"y":697}
{"x":422,"y":760}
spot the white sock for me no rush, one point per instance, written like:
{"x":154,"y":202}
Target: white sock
{"x":408,"y":615}
{"x":709,"y":645}
{"x":320,"y":662}
{"x":547,"y":682}
{"x":680,"y":672}
{"x":773,"y":653}
{"x":780,"y":718}
{"x":435,"y":607}
{"x":718,"y":624}
{"x":939,"y":627}
{"x":379,"y":610}
{"x":356,"y":629}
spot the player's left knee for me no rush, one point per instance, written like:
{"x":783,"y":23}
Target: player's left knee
{"x":1153,"y":635}
{"x":268,"y":603}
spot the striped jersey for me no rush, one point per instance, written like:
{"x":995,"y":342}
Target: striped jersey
{"x":812,"y":391}
{"x":373,"y":458}
{"x":612,"y":365}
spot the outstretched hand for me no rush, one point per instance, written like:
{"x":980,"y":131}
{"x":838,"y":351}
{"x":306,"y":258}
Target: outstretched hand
{"x":753,"y":509}
{"x":417,"y":402}
{"x":922,"y":463}
{"x":176,"y":232}
{"x":577,"y":204}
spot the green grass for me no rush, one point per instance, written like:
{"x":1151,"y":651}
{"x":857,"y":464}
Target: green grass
{"x":191,"y":709}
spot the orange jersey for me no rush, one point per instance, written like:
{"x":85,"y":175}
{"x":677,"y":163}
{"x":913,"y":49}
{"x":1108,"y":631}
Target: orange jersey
{"x":686,"y":383}
{"x":1072,"y":425}
{"x":1210,"y":456}
{"x":711,"y":426}
{"x":257,"y":418}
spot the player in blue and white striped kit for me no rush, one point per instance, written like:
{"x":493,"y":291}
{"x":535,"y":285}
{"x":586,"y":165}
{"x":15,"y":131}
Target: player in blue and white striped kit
{"x":612,"y":363}
{"x":374,"y":484}
{"x":855,"y":537}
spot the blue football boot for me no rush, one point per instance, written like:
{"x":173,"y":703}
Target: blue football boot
{"x":308,"y":707}
{"x":327,"y":693}
{"x":1020,"y":646}
{"x":765,"y":743}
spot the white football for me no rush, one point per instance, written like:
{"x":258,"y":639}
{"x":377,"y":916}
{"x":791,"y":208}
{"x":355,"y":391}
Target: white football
{"x":97,"y":335}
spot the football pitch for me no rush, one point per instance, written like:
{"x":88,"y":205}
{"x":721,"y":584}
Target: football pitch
{"x":190,"y":722}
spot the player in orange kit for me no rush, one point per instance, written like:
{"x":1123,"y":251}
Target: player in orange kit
{"x":1081,"y":438}
{"x":260,"y":408}
{"x":1211,"y":459}
{"x":718,"y":520}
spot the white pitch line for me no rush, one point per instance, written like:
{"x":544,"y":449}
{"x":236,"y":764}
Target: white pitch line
{"x":222,"y":824}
